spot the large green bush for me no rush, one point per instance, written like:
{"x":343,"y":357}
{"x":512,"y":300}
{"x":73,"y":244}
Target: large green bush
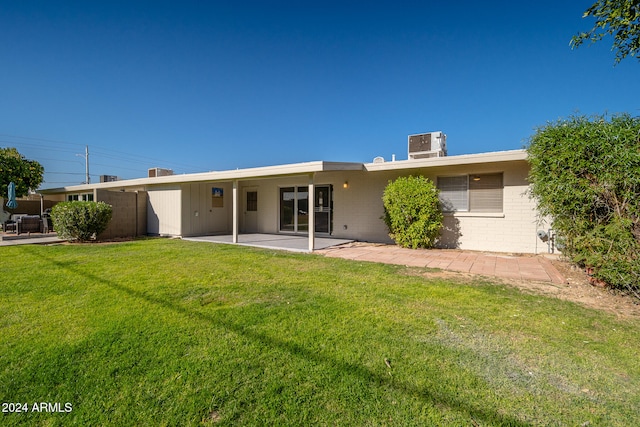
{"x":82,"y":221}
{"x":412,"y":212}
{"x":585,"y":176}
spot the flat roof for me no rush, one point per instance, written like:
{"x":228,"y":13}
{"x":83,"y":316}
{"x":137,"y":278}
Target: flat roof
{"x":294,"y":169}
{"x":463,"y":159}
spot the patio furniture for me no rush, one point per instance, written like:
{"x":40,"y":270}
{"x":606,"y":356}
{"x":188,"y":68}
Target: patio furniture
{"x":47,"y":223}
{"x":29,"y":224}
{"x":9,"y":226}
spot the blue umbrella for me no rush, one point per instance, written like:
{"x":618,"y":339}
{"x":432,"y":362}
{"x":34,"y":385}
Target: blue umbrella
{"x":12,"y":203}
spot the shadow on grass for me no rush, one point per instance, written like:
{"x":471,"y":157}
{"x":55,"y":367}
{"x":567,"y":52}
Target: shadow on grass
{"x":473,"y":411}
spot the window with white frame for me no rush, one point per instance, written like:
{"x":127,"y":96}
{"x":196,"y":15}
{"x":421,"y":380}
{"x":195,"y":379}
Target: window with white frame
{"x":472,"y":193}
{"x":87,"y":197}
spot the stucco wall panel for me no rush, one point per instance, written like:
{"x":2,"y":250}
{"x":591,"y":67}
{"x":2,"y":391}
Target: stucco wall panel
{"x":199,"y":216}
{"x":164,"y":211}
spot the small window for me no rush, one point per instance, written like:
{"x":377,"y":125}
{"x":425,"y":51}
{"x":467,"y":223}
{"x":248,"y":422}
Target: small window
{"x":252,"y":201}
{"x":471,"y":193}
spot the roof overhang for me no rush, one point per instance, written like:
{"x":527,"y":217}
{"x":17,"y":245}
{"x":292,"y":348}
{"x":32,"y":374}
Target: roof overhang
{"x":465,"y":159}
{"x":293,"y":169}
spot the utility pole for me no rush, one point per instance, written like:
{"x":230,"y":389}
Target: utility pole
{"x":86,"y":163}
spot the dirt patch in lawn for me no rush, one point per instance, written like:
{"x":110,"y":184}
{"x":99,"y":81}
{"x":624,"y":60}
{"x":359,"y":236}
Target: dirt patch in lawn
{"x":577,"y":289}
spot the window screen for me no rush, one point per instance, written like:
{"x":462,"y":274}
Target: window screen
{"x":453,"y":193}
{"x":485,"y":193}
{"x":471,"y":193}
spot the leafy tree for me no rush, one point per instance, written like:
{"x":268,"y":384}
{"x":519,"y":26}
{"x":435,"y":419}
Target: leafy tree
{"x":412,"y":212}
{"x":619,"y":18}
{"x":82,"y":221}
{"x":25,"y":174}
{"x":585,"y":175}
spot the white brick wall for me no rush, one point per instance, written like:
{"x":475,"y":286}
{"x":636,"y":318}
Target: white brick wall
{"x":514,"y":230}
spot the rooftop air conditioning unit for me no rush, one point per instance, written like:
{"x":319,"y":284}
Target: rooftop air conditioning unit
{"x":154,"y":172}
{"x":426,"y":145}
{"x":108,"y":178}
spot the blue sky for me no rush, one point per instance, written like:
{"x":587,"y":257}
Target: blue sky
{"x":212,"y":85}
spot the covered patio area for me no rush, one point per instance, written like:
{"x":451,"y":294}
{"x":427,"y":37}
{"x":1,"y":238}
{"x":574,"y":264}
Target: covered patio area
{"x":297,"y":243}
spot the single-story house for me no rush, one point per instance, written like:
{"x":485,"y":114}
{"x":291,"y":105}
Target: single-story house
{"x":486,"y":204}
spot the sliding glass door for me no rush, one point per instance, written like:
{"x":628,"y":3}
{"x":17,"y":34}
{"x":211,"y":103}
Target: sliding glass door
{"x":323,"y":209}
{"x":287,"y":209}
{"x":294,"y":209}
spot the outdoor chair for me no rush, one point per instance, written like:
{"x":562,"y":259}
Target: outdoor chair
{"x":9,"y":226}
{"x":29,"y":224}
{"x":47,"y":223}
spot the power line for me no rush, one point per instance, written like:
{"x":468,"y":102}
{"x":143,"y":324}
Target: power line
{"x":119,"y":167}
{"x":34,"y":145}
{"x":70,"y":173}
{"x":99,"y":151}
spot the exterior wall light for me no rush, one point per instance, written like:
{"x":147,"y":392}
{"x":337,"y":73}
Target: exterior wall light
{"x":346,"y":184}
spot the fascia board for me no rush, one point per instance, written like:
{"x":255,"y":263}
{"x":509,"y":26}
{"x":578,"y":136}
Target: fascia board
{"x":229,"y":175}
{"x":464,"y":159}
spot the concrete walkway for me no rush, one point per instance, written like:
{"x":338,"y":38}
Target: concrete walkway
{"x":524,"y":267}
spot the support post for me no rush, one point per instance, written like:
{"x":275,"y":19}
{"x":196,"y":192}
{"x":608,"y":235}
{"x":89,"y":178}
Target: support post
{"x":235,"y":211}
{"x":312,"y":208}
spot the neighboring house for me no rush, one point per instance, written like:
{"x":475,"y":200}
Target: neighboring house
{"x":485,"y":198}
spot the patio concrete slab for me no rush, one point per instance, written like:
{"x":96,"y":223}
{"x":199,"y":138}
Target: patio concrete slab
{"x":519,"y":267}
{"x":9,"y":239}
{"x":273,"y":241}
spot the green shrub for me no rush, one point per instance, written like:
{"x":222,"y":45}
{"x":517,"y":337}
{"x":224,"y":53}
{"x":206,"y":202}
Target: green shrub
{"x":412,"y":212}
{"x":585,"y":176}
{"x":82,"y":221}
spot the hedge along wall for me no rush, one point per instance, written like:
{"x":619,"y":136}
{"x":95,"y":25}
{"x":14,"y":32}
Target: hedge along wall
{"x":585,"y":174}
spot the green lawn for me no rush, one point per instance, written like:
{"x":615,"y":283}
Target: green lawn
{"x":165,"y":332}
